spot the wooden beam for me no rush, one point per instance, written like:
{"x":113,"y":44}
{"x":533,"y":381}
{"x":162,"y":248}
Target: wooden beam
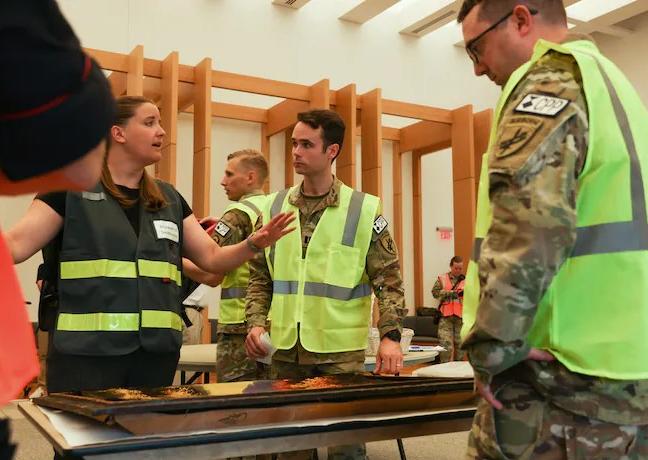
{"x":135,"y":77}
{"x":420,"y":112}
{"x":345,"y":169}
{"x":265,"y":149}
{"x":236,"y":112}
{"x":117,"y":83}
{"x":372,"y":142}
{"x":482,"y":123}
{"x":388,"y":134}
{"x":284,"y":115}
{"x":166,"y":168}
{"x":185,"y":96}
{"x":464,"y":180}
{"x":425,"y":135}
{"x":151,"y":88}
{"x":239,"y":112}
{"x":202,"y":138}
{"x":108,"y":60}
{"x":320,"y":95}
{"x":289,"y":176}
{"x":256,"y":85}
{"x":417,"y":210}
{"x":397,"y":184}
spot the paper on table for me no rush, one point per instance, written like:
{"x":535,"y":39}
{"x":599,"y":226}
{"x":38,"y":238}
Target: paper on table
{"x":265,"y":340}
{"x":80,"y":431}
{"x":426,"y":348}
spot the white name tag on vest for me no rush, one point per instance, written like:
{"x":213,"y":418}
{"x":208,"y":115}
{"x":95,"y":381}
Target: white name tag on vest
{"x":167,"y":230}
{"x":540,"y":104}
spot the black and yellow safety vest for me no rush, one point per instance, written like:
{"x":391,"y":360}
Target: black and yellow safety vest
{"x":119,"y":291}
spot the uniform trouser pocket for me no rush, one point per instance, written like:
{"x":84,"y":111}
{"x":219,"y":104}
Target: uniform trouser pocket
{"x":509,"y":433}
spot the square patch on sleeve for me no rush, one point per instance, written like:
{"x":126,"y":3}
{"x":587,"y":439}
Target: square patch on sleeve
{"x":222,"y":229}
{"x":540,"y":104}
{"x":379,"y":225}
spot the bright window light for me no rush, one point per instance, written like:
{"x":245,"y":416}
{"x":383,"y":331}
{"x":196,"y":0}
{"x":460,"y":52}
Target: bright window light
{"x":586,"y":10}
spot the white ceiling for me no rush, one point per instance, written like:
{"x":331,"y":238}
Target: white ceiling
{"x":419,"y":18}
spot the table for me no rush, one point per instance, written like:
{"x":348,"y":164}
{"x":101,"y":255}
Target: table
{"x":260,"y":439}
{"x":201,"y":359}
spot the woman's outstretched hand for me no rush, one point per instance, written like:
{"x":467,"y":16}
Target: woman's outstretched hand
{"x":273,"y":230}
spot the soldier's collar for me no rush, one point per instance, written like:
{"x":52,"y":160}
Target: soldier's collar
{"x":252,"y":193}
{"x":333,"y":197}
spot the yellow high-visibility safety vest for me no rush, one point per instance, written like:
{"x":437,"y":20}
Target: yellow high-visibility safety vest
{"x":594,"y":314}
{"x":234,"y":285}
{"x":327,"y":293}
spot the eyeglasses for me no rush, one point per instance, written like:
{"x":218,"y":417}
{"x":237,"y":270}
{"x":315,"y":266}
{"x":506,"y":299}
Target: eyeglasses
{"x":470,"y":46}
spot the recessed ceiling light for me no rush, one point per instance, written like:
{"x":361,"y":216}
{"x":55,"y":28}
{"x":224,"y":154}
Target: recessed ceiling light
{"x":586,"y":10}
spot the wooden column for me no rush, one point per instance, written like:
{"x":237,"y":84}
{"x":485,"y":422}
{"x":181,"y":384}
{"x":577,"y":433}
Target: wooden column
{"x":371,"y":125}
{"x":464,"y":179}
{"x":265,"y":149}
{"x":289,"y":176}
{"x":165,"y":169}
{"x":202,"y":137}
{"x":135,"y":77}
{"x":397,"y":184}
{"x":482,"y":123}
{"x":320,"y":95}
{"x":417,"y":226}
{"x":346,"y":107}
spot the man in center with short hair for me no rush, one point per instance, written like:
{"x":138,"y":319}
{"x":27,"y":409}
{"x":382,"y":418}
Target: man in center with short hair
{"x":319,"y":281}
{"x":245,"y":173}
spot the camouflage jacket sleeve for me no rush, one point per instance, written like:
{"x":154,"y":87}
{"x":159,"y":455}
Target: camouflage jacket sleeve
{"x":259,"y":290}
{"x":533,"y":170}
{"x":383,"y":269}
{"x":235,"y":227}
{"x":441,"y":294}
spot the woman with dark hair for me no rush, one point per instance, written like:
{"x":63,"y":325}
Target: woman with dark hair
{"x":120,"y":249}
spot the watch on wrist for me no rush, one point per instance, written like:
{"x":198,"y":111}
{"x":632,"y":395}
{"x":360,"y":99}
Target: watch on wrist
{"x":253,"y":247}
{"x":394,"y":335}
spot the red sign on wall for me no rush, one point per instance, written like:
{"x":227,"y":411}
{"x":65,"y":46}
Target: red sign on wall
{"x":445,"y":233}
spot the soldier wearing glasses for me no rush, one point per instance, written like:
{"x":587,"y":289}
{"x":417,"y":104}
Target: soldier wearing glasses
{"x":559,"y":354}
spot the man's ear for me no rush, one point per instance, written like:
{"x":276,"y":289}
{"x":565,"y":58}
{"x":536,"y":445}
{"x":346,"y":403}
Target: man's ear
{"x":252,"y":177}
{"x":523,"y":19}
{"x":332,"y":151}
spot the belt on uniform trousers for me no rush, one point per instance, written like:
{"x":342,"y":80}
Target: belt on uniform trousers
{"x":183,"y":314}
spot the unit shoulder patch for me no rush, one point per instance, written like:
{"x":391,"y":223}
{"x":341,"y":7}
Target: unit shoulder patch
{"x":516,"y":134}
{"x":379,"y":225}
{"x":541,"y":104}
{"x":222,"y":229}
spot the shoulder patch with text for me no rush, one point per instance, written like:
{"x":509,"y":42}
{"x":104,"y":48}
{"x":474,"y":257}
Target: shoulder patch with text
{"x":540,"y":104}
{"x":379,"y":225}
{"x":222,"y":229}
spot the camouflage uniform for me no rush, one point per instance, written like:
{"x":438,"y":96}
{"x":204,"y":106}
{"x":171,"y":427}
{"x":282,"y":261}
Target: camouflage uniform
{"x":449,"y":326}
{"x":550,"y":412}
{"x":383,"y":269}
{"x":232,"y":363}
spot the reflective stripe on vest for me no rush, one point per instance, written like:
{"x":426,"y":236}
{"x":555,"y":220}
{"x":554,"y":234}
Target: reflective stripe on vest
{"x":326,"y":292}
{"x":234,"y":285}
{"x":575,"y":317}
{"x":119,"y":269}
{"x":118,"y":321}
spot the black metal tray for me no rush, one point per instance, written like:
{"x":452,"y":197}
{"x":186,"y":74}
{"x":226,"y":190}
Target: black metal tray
{"x":261,"y":393}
